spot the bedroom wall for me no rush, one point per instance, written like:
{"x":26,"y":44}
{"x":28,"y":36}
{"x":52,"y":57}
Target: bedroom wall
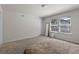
{"x":74,"y":37}
{"x":18,"y":25}
{"x":1,"y":26}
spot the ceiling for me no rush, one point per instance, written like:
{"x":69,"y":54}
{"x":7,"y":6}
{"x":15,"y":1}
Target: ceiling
{"x":36,"y":9}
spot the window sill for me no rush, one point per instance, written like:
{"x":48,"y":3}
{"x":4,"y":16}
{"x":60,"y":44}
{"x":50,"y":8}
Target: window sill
{"x":54,"y":32}
{"x":64,"y":33}
{"x":59,"y":32}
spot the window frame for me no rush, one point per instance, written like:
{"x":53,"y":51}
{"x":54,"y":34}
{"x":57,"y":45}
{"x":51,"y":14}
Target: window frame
{"x":59,"y":29}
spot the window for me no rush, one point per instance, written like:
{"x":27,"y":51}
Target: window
{"x":54,"y":28}
{"x":64,"y":24}
{"x":54,"y":25}
{"x":61,"y":25}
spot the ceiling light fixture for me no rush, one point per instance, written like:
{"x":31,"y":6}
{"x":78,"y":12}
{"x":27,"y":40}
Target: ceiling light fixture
{"x":43,"y":5}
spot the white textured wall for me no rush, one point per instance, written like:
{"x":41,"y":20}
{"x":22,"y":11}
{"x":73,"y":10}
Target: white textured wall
{"x":1,"y":26}
{"x":17,"y":27}
{"x":74,"y":37}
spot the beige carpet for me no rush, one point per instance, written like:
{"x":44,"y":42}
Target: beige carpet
{"x":51,"y":45}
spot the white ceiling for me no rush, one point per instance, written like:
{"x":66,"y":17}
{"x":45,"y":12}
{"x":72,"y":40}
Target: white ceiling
{"x":36,"y":9}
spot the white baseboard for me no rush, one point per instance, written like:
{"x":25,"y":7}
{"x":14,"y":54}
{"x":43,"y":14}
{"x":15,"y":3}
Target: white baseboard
{"x":21,"y":38}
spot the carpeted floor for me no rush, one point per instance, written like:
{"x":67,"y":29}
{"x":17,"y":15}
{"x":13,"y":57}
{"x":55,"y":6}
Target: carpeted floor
{"x":51,"y":46}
